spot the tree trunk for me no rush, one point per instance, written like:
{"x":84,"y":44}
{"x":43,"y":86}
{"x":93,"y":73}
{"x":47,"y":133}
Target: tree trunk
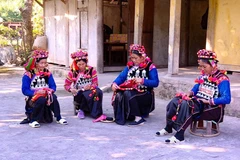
{"x":26,"y":13}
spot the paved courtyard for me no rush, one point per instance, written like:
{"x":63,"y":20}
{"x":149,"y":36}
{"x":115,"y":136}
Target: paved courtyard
{"x":85,"y":140}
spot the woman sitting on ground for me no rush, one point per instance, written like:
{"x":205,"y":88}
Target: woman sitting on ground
{"x":133,"y":89}
{"x":82,"y":82}
{"x":39,"y":86}
{"x":206,"y":100}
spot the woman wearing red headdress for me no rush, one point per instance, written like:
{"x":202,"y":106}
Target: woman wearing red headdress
{"x":39,"y":86}
{"x":133,"y":89}
{"x":82,"y":82}
{"x":206,"y":100}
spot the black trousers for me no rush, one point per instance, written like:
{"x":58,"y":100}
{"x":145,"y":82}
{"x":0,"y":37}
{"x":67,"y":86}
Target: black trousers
{"x":86,"y":103}
{"x":189,"y":111}
{"x":39,"y":111}
{"x":131,"y":103}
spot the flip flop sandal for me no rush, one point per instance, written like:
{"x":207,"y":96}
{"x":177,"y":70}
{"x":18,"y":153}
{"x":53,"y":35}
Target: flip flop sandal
{"x":108,"y":120}
{"x":102,"y":117}
{"x":162,"y":132}
{"x":62,"y":121}
{"x":173,"y":140}
{"x":34,"y":124}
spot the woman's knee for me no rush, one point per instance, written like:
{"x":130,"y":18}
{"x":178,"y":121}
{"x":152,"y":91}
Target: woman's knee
{"x":54,"y":96}
{"x":41,"y":101}
{"x":99,"y":92}
{"x":127,"y":93}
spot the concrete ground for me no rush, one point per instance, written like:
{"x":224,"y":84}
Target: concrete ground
{"x":85,"y":140}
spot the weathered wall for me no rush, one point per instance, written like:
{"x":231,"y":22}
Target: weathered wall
{"x":61,"y":33}
{"x":57,"y":31}
{"x":227,"y":34}
{"x":50,"y":32}
{"x":193,"y":37}
{"x":197,"y":35}
{"x":74,"y":36}
{"x":95,"y":36}
{"x":160,"y":32}
{"x":67,"y":28}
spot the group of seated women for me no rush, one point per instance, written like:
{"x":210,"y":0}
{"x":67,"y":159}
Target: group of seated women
{"x":133,"y":95}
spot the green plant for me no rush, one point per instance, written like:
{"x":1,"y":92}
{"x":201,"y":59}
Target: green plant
{"x":3,"y":41}
{"x":9,"y":10}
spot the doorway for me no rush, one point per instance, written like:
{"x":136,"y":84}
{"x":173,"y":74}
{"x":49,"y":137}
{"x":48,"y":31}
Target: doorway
{"x":115,"y":34}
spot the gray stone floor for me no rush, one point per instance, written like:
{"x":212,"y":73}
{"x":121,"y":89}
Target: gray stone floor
{"x":85,"y":140}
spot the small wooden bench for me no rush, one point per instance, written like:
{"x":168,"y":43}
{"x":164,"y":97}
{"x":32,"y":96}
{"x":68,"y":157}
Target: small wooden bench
{"x":205,"y":128}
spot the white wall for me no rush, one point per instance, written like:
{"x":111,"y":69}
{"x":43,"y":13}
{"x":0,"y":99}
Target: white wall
{"x":67,"y":30}
{"x":50,"y":28}
{"x":57,"y":31}
{"x":95,"y":37}
{"x":74,"y":36}
{"x":61,"y":33}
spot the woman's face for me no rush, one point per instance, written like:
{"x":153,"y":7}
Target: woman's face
{"x":41,"y":64}
{"x":205,"y":67}
{"x":81,"y":65}
{"x":137,"y":59}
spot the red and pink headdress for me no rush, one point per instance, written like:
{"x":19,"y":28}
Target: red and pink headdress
{"x":137,"y":49}
{"x":39,"y":54}
{"x":203,"y":53}
{"x":79,"y":55}
{"x":209,"y":55}
{"x":34,"y":57}
{"x":76,"y":56}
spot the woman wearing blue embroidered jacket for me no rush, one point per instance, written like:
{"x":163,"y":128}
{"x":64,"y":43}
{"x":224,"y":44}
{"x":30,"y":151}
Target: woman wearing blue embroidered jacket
{"x":133,"y":89}
{"x":39,"y":86}
{"x":206,"y":100}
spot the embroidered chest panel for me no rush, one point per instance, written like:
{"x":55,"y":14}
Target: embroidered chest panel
{"x":208,"y":89}
{"x":39,"y":82}
{"x":136,"y":72}
{"x":82,"y":81}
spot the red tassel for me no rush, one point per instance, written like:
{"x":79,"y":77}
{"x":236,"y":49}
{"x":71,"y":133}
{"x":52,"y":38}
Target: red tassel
{"x":174,"y":118}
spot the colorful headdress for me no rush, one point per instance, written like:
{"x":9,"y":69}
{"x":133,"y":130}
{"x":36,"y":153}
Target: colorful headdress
{"x":138,"y":49}
{"x":35,"y":56}
{"x":209,"y":55}
{"x":80,"y":54}
{"x":76,"y":56}
{"x":203,"y":53}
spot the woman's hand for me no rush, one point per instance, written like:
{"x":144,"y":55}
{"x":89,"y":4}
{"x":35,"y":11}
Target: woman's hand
{"x":189,"y":94}
{"x":138,"y":81}
{"x":203,"y":100}
{"x":74,"y":91}
{"x":87,"y":87}
{"x":41,"y":91}
{"x":114,"y":87}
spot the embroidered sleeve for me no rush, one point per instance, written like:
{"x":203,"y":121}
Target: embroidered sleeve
{"x":94,"y":78}
{"x":151,"y":67}
{"x":68,"y":81}
{"x":28,"y":74}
